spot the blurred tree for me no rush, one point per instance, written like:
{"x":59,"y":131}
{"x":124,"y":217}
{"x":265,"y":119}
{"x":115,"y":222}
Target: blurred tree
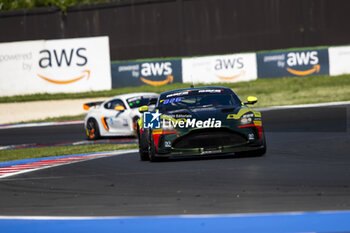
{"x":7,"y":5}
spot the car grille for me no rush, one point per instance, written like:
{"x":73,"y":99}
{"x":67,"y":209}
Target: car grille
{"x":209,"y":138}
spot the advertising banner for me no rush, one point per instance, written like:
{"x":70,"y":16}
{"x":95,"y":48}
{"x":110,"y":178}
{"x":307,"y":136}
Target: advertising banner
{"x":293,"y":63}
{"x":153,"y":73}
{"x":216,"y":69}
{"x":339,"y":58}
{"x":54,"y":66}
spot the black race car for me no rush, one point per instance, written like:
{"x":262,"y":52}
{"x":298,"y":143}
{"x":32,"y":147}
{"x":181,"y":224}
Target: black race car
{"x":200,"y":121}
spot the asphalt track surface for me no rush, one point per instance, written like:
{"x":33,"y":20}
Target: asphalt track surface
{"x":42,"y":134}
{"x":306,"y":168}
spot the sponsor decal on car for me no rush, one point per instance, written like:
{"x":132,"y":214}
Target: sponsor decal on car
{"x":182,"y":93}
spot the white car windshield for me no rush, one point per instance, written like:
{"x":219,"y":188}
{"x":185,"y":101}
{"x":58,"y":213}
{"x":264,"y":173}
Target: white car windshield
{"x":136,"y":102}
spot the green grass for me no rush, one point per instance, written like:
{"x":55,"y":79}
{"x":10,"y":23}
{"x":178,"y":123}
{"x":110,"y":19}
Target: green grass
{"x":271,"y":92}
{"x":287,"y":91}
{"x":16,"y":154}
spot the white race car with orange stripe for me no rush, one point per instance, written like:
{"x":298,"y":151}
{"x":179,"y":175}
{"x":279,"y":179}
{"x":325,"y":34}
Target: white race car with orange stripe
{"x":117,"y":116}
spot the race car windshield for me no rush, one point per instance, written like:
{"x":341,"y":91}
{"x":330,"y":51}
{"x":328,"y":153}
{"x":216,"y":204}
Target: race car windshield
{"x":137,"y":102}
{"x":197,"y":101}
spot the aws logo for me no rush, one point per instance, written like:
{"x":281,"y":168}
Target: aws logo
{"x":63,"y":58}
{"x":227,"y":65}
{"x":303,"y":59}
{"x":157,"y":69}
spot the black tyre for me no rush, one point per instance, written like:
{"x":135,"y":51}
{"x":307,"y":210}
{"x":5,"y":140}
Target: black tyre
{"x":143,"y":146}
{"x":152,"y":150}
{"x":92,"y":130}
{"x":260,"y":152}
{"x":134,"y":123}
{"x":255,"y":153}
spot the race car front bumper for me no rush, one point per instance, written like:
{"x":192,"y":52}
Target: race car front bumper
{"x":209,"y":141}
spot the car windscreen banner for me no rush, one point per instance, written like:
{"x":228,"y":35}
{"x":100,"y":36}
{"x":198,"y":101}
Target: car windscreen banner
{"x":54,"y":66}
{"x":293,"y":63}
{"x":153,"y":73}
{"x":219,"y":69}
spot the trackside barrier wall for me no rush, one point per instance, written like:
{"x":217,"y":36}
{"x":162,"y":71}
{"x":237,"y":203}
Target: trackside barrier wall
{"x":83,"y":64}
{"x":339,"y":60}
{"x":54,"y":66}
{"x":153,"y":73}
{"x":293,"y":63}
{"x":234,"y":67}
{"x":223,"y":68}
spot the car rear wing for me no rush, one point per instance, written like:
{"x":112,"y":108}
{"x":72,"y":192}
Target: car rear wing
{"x":87,"y":106}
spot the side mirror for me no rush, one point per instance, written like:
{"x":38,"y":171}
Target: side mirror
{"x":119,"y":108}
{"x":143,"y":109}
{"x":251,"y":100}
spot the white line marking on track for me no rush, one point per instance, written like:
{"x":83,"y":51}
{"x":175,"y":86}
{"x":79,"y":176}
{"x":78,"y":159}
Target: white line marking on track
{"x":171,"y":216}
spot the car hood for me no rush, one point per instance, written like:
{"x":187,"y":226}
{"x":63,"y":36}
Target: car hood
{"x":219,"y":113}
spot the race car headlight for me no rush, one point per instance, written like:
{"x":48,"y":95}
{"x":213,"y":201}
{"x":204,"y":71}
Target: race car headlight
{"x":247,"y":118}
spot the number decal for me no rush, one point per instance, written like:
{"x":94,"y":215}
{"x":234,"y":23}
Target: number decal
{"x":167,"y":144}
{"x":172,"y":100}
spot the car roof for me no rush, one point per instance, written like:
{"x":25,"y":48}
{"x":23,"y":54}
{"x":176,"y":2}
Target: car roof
{"x":130,"y":95}
{"x":195,"y":88}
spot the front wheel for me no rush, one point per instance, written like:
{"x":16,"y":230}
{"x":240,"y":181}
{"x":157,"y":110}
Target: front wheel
{"x":143,"y":145}
{"x":262,"y":151}
{"x":152,"y":150}
{"x":152,"y":155}
{"x":259,"y":152}
{"x":135,"y":123}
{"x":92,"y":129}
{"x":254,"y":153}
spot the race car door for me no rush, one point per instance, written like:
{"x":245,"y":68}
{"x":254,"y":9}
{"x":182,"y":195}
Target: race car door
{"x":116,"y":121}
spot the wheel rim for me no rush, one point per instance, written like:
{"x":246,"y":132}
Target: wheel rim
{"x":134,"y":126}
{"x":91,"y":129}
